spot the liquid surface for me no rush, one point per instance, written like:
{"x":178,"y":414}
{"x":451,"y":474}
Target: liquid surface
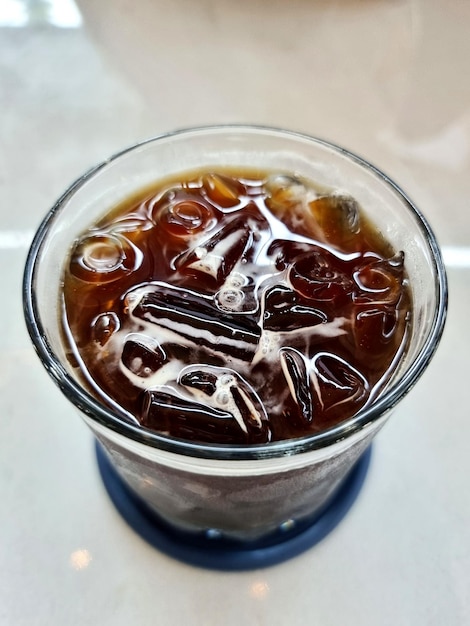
{"x":236,"y":307}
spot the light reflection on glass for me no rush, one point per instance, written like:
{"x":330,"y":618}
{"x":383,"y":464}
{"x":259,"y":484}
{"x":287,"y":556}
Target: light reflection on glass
{"x":23,"y":13}
{"x":259,"y":589}
{"x":80,"y":559}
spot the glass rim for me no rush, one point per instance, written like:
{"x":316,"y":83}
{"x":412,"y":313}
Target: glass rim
{"x":106,"y":417}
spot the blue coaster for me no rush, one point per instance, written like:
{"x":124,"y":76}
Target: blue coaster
{"x":224,"y":554}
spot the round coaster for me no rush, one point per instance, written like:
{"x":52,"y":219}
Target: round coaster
{"x":224,"y":554}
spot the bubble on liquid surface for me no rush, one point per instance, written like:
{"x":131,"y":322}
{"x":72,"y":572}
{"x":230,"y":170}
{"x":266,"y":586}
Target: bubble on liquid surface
{"x":222,"y":398}
{"x":226,"y":379}
{"x":237,"y":280}
{"x":229,"y":299}
{"x":239,"y":294}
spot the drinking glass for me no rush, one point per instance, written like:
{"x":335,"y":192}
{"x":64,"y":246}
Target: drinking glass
{"x":244,"y":493}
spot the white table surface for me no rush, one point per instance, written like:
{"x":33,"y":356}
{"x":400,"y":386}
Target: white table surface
{"x":388,"y":80}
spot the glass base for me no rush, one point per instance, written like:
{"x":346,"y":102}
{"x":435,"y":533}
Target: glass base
{"x":211,"y":551}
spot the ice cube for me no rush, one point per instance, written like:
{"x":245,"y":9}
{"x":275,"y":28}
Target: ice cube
{"x":215,"y":258}
{"x":104,"y":326}
{"x":228,"y":391}
{"x":374,"y":330}
{"x":129,"y":223}
{"x":295,"y":372}
{"x":285,"y":192}
{"x":284,"y":252}
{"x":338,"y":218}
{"x":104,"y":258}
{"x":340,"y":388}
{"x":205,"y":381}
{"x":165,"y":411}
{"x":284,"y":310}
{"x":195,"y":319}
{"x":182,"y":214}
{"x":142,"y":355}
{"x":380,"y":281}
{"x":318,"y":275}
{"x":224,"y":191}
{"x":288,"y":198}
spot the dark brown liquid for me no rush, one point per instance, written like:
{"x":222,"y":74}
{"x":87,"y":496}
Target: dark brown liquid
{"x":236,"y":307}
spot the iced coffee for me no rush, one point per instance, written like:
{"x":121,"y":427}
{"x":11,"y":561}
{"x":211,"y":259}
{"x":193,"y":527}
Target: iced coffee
{"x":236,"y":306}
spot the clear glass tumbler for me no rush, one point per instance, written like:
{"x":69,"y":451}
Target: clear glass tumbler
{"x":240,"y":492}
